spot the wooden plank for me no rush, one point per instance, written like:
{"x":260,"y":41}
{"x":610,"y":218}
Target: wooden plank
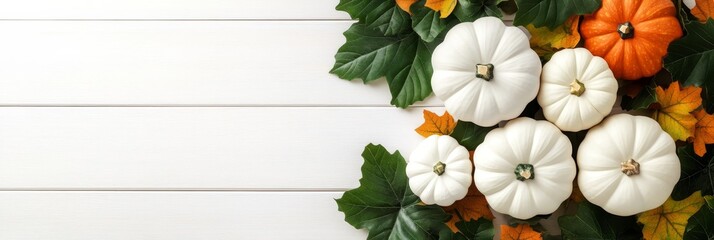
{"x":174,"y":9}
{"x":170,"y":9}
{"x":178,"y":63}
{"x":196,"y":148}
{"x":172,"y":215}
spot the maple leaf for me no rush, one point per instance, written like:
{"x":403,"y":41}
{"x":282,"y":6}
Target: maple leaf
{"x":520,"y":232}
{"x":405,"y":4}
{"x":674,"y":110}
{"x":444,"y":7}
{"x":435,"y":124}
{"x":703,"y":10}
{"x":546,"y":41}
{"x":471,"y":207}
{"x":669,"y":220}
{"x":703,"y":132}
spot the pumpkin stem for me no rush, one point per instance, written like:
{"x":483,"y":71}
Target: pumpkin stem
{"x":484,"y":71}
{"x":524,"y":172}
{"x":577,"y":88}
{"x":626,"y":30}
{"x":630,"y":167}
{"x":439,"y":168}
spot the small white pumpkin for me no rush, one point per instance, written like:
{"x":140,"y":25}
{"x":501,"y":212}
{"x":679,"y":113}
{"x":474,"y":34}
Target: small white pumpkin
{"x":439,"y":170}
{"x":577,"y":89}
{"x":485,"y":72}
{"x":627,"y":165}
{"x":525,"y":168}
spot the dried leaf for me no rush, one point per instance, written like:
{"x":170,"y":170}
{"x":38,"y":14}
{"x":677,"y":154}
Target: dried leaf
{"x":703,"y":132}
{"x":435,"y":124}
{"x":444,"y":7}
{"x":520,"y":232}
{"x":471,"y":207}
{"x":405,"y":4}
{"x":669,"y":220}
{"x":703,"y":10}
{"x":675,"y":107}
{"x":546,"y":41}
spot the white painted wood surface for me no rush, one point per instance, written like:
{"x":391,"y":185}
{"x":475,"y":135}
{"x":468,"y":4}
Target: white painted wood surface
{"x":183,"y":119}
{"x":172,"y":215}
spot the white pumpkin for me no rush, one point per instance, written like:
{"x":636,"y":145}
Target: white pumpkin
{"x":485,"y":72}
{"x":627,"y":165}
{"x":577,"y":89}
{"x":525,"y":168}
{"x":439,"y":170}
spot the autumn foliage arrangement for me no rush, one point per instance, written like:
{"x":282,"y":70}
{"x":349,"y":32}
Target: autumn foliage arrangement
{"x":584,"y":120}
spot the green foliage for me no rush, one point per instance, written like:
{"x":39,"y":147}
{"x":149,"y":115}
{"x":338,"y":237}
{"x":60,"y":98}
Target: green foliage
{"x":403,"y":59}
{"x":701,"y":224}
{"x":691,"y":59}
{"x":551,"y":13}
{"x":592,"y":222}
{"x":481,"y":229}
{"x":427,"y":22}
{"x":469,"y":134}
{"x":697,"y":172}
{"x":642,"y":101}
{"x":385,"y":205}
{"x":381,"y":15}
{"x":470,"y":10}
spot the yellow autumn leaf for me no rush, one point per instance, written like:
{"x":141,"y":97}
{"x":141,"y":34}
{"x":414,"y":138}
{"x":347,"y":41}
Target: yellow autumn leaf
{"x":435,"y":124}
{"x":669,"y":220}
{"x":444,"y":7}
{"x":405,"y":4}
{"x":675,"y":105}
{"x":703,"y":10}
{"x":703,"y":132}
{"x":546,"y":41}
{"x":520,"y":232}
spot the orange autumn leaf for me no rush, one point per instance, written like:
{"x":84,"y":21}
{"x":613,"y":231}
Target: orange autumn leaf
{"x":444,"y":7}
{"x":703,"y":132}
{"x":703,"y":10}
{"x":669,"y":220}
{"x":471,"y":207}
{"x":576,"y":196}
{"x":675,"y":107}
{"x":405,"y":4}
{"x":435,"y":124}
{"x":520,"y":232}
{"x":546,"y":41}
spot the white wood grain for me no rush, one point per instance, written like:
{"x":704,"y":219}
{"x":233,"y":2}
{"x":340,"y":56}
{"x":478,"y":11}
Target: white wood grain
{"x":170,"y":9}
{"x":178,"y":63}
{"x":171,"y":216}
{"x":196,"y":148}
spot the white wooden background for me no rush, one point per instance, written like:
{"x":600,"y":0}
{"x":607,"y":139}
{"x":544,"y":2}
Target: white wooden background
{"x":183,"y":119}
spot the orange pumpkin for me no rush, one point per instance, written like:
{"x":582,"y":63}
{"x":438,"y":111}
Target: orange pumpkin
{"x":631,"y":35}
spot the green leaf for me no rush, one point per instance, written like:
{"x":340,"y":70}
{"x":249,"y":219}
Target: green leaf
{"x":481,"y":229}
{"x":382,"y":15}
{"x":403,"y":59}
{"x":642,"y":101}
{"x":469,"y":134}
{"x":701,"y":224}
{"x":691,"y":59}
{"x":426,"y":22}
{"x":592,"y":222}
{"x":384,"y":203}
{"x":551,"y":13}
{"x":697,"y":172}
{"x":470,"y":10}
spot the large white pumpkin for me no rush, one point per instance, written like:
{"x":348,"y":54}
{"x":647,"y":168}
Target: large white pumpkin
{"x":439,"y":170}
{"x":485,"y":72}
{"x":525,"y":168}
{"x":577,"y":89}
{"x":627,"y":165}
